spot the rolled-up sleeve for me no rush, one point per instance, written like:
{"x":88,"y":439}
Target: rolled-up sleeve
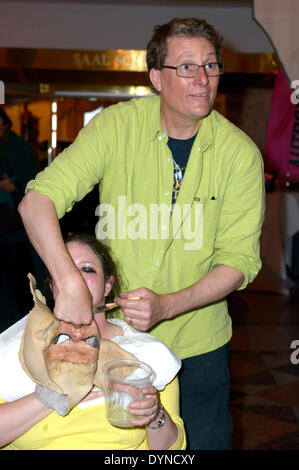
{"x":75,"y":171}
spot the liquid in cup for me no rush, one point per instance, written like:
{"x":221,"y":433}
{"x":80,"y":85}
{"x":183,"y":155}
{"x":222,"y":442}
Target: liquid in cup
{"x":123,"y":380}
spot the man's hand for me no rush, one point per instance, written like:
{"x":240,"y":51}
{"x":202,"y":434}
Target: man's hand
{"x":73,"y":301}
{"x":144,"y":313}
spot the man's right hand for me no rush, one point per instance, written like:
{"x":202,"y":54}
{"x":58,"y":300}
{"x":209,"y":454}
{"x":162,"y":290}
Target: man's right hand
{"x":73,"y":301}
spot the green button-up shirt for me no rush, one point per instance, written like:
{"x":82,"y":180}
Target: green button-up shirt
{"x":217,"y":217}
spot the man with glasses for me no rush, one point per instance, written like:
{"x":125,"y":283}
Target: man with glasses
{"x":182,"y":203}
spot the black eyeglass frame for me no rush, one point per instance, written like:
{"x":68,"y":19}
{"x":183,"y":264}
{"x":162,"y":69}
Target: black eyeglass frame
{"x":220,"y":65}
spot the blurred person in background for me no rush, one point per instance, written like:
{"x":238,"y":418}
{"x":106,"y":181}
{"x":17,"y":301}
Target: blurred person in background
{"x":17,"y":166}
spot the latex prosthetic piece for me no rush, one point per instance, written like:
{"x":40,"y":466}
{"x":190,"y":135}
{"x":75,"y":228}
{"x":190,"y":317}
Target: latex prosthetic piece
{"x":63,"y":360}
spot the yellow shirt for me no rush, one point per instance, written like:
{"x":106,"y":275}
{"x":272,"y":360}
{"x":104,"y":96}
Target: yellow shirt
{"x":88,"y":429}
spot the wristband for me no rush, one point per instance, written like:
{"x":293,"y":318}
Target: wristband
{"x":161,"y":421}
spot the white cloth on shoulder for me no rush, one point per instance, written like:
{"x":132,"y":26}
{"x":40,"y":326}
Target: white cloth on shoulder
{"x":14,"y":383}
{"x":149,"y":349}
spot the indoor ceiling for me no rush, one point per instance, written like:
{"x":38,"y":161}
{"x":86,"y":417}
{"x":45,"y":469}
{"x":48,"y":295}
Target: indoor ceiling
{"x":24,"y":83}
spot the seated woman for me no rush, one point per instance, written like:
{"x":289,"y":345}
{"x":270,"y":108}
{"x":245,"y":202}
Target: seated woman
{"x":29,"y":421}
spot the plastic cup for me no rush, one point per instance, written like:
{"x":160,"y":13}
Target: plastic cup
{"x":123,"y":380}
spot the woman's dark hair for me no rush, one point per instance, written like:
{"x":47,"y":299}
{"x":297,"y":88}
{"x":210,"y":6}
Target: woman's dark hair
{"x":103,"y":253}
{"x":185,"y":27}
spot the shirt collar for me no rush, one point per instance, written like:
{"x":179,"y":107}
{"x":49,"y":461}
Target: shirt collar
{"x":205,"y":134}
{"x":155,"y":127}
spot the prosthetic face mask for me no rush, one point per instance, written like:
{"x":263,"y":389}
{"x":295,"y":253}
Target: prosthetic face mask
{"x":75,"y":344}
{"x":63,"y":360}
{"x":71,"y":358}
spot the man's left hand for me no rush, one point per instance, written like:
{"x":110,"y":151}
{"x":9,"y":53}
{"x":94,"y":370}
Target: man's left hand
{"x":142,"y":313}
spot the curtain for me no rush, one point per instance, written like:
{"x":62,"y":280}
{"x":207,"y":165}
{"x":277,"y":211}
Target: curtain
{"x":280,"y":20}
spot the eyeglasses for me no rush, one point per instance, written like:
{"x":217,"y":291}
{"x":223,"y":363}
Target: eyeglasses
{"x":212,"y":69}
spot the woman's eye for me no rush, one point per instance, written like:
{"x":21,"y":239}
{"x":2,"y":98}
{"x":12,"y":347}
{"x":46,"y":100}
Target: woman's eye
{"x":88,"y":269}
{"x":61,"y":338}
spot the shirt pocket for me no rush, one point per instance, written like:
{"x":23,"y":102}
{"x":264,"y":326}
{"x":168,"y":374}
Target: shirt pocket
{"x":199,"y":223}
